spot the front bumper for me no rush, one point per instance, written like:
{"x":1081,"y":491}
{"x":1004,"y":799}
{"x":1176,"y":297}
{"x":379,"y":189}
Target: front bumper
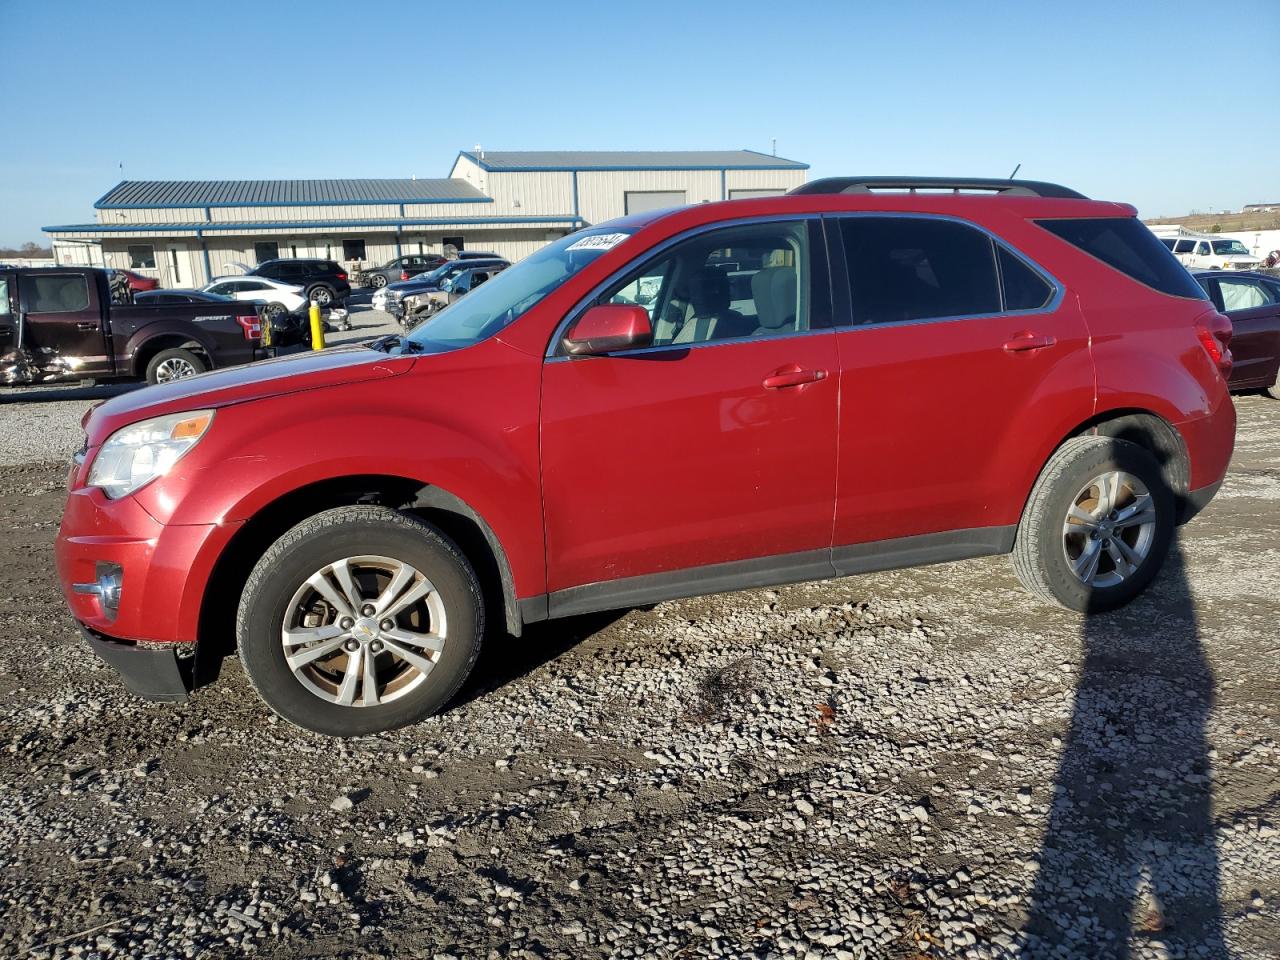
{"x":165,"y":569}
{"x":153,"y":673}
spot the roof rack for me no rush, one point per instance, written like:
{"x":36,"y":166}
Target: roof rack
{"x":1008,"y":188}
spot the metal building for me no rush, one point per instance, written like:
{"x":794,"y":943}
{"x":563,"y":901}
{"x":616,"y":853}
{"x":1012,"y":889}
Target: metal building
{"x":187,"y":232}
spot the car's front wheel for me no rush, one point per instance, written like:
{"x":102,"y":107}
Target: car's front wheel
{"x":358,"y":620}
{"x":378,"y":281}
{"x":1097,"y":526}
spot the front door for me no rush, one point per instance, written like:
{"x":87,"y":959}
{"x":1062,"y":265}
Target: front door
{"x":716,"y":444}
{"x":179,"y":266}
{"x":10,"y":367}
{"x":956,"y":356}
{"x":62,"y":324}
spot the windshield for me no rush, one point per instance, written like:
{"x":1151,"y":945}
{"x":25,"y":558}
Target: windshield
{"x":1229,"y":246}
{"x":504,"y":299}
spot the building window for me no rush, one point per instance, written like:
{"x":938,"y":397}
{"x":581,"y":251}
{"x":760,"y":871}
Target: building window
{"x":638,"y":201}
{"x":455,"y":242}
{"x":352,"y":249}
{"x":265,"y":250}
{"x":142,"y":255}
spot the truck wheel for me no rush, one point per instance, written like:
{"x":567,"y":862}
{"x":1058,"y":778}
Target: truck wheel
{"x":174,"y":364}
{"x":1273,"y":391}
{"x":1096,"y":527}
{"x":359,"y":620}
{"x":378,"y":281}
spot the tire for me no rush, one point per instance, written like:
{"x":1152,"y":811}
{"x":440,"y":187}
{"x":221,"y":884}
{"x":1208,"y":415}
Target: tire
{"x":1273,"y":391}
{"x":174,"y":364}
{"x":378,"y":281}
{"x":321,"y":295}
{"x":368,"y":536}
{"x":1045,"y":554}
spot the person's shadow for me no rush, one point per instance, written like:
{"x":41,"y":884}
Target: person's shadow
{"x":1130,"y":854}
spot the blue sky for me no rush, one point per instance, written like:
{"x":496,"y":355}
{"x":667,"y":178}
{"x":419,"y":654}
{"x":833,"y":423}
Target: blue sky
{"x":1159,"y":104}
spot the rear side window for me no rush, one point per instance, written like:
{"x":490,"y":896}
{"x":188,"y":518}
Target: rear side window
{"x":906,"y":268}
{"x":1024,"y":289}
{"x":1184,"y":246}
{"x":1128,"y":246}
{"x":58,"y":294}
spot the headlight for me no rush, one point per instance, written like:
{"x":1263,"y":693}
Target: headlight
{"x":137,"y":454}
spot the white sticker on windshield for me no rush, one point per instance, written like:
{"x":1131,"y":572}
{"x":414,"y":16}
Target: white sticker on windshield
{"x":601,"y":241}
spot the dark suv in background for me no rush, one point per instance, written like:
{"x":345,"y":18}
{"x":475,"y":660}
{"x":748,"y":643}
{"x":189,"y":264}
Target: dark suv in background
{"x":324,"y":281}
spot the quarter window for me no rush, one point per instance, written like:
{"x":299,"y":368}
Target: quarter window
{"x":142,"y":256}
{"x":729,"y":284}
{"x":58,"y":294}
{"x":906,"y":268}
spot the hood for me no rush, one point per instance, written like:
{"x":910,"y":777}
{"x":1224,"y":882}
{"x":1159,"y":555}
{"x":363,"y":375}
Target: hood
{"x":252,"y":381}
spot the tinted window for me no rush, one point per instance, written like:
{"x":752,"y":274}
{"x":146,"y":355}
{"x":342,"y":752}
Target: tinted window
{"x":1024,"y":289}
{"x":1184,"y":246}
{"x":1128,"y":246}
{"x":903,"y":268}
{"x":57,"y":294}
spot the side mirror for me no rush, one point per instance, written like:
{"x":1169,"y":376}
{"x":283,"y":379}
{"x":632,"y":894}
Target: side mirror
{"x":609,"y":327}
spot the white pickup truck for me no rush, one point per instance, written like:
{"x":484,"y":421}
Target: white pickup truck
{"x":1206,"y":251}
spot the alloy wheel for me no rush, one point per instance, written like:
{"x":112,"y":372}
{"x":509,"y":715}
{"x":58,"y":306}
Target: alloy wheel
{"x":175,"y":368}
{"x":364,"y":630}
{"x":1109,"y":529}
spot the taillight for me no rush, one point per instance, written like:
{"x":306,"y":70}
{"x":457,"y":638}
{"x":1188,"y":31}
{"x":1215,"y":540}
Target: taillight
{"x":1213,"y":330}
{"x":404,"y":274}
{"x":342,"y":276}
{"x":252,"y":327}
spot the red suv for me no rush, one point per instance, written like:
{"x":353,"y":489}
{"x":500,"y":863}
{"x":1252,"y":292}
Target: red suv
{"x":864,"y":374}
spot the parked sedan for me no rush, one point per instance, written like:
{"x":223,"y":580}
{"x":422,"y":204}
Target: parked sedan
{"x":280,"y":298}
{"x":1252,"y":302}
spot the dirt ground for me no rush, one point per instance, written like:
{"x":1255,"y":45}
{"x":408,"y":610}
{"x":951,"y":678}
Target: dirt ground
{"x":914,"y":764}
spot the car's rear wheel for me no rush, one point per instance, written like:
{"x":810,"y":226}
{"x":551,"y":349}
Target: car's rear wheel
{"x":174,"y":364}
{"x":320,"y":296}
{"x":274,"y":311}
{"x":358,"y":620}
{"x":378,"y":281}
{"x":1097,"y":526}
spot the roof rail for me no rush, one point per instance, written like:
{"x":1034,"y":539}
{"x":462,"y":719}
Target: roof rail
{"x":1008,"y":188}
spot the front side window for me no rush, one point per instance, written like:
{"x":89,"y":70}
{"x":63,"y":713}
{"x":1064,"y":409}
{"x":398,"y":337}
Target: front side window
{"x":727,"y":284}
{"x":58,"y":294}
{"x":911,"y":268}
{"x":142,"y":256}
{"x":1125,"y":244}
{"x":1243,"y":294}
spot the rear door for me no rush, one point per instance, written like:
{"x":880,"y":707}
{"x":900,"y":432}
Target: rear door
{"x":1253,"y":306}
{"x":956,"y":354}
{"x":63,"y":323}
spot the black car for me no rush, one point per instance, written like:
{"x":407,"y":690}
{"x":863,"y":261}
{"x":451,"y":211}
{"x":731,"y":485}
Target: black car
{"x":324,"y":281}
{"x":155,"y":297}
{"x":401,"y":268}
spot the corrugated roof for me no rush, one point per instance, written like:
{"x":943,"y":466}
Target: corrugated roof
{"x":136,"y":194}
{"x":516,"y":160}
{"x":204,"y":226}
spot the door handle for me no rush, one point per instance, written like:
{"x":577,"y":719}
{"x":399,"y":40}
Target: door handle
{"x":86,"y":325}
{"x":792,"y":376}
{"x":1026,"y":340}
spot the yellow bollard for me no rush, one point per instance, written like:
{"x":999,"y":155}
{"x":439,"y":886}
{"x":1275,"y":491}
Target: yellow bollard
{"x":317,"y":329}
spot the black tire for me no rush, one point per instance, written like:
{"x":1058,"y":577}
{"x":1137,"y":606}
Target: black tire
{"x":164,"y":366}
{"x":323,"y":539}
{"x":377,"y":281}
{"x":322,"y":295}
{"x":274,"y":311}
{"x":1039,"y":557}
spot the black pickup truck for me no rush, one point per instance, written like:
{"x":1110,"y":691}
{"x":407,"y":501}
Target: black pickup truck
{"x":72,"y":323}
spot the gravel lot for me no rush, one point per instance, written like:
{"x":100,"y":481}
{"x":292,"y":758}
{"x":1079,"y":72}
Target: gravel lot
{"x":913,"y":764}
